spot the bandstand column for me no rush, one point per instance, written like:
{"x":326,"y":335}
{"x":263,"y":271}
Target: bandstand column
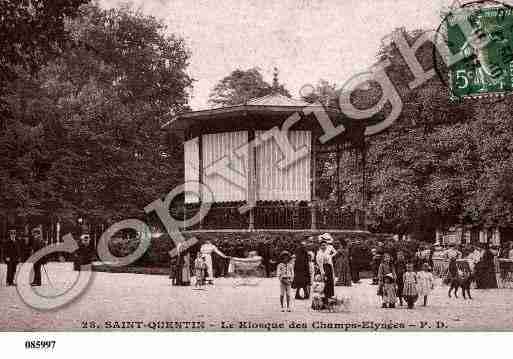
{"x":364,"y":187}
{"x":313,"y":182}
{"x":251,"y":178}
{"x":338,"y":156}
{"x":201,"y":170}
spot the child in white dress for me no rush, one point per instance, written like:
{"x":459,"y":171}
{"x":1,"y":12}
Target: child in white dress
{"x":199,"y":269}
{"x":425,"y":282}
{"x":389,"y":291}
{"x":410,"y":286}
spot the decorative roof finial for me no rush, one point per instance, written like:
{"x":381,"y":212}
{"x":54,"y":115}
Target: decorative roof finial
{"x":276,"y":84}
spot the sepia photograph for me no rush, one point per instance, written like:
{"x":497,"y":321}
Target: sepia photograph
{"x":255,"y":166}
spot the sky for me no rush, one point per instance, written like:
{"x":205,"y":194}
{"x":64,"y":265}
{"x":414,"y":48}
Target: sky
{"x":306,"y":40}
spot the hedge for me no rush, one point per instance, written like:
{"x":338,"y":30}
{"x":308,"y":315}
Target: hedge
{"x":236,"y":244}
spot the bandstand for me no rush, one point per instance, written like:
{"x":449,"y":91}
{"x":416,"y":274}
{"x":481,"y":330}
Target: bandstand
{"x":309,"y":194}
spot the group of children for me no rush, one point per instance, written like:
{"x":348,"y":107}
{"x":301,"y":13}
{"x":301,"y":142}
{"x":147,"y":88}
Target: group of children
{"x":400,"y":281}
{"x":285,"y":274}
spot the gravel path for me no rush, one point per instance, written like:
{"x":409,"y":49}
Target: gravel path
{"x":114,"y":301}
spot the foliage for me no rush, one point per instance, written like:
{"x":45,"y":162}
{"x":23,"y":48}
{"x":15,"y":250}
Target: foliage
{"x":31,"y":32}
{"x":324,"y":92}
{"x":240,"y":86}
{"x":443,"y":162}
{"x":84,"y":137}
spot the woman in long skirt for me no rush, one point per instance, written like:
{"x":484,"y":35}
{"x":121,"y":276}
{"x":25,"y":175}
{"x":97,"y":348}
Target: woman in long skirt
{"x":342,"y":266}
{"x":182,"y":275}
{"x":325,"y":263}
{"x":386,"y":267}
{"x":400,"y":269}
{"x":302,"y":272}
{"x":485,"y":271}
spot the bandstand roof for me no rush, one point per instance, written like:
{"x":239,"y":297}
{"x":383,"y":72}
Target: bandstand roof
{"x":276,"y":99}
{"x":272,"y":105}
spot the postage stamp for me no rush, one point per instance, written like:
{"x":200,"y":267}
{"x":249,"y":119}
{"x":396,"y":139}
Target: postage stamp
{"x":488,"y":52}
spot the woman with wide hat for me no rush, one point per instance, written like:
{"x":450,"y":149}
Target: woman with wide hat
{"x":324,"y":260}
{"x":342,"y":265}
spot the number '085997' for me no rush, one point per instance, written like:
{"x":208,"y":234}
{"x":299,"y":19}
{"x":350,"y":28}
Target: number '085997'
{"x":40,"y":344}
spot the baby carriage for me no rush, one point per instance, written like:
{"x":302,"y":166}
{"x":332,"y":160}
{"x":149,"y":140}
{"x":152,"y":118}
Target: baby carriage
{"x":246,"y":270}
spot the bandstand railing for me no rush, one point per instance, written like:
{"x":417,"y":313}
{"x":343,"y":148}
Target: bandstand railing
{"x":273,"y":215}
{"x":282,"y":215}
{"x":336,"y":217}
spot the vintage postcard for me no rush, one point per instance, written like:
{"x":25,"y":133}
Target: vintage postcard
{"x":256,"y":166}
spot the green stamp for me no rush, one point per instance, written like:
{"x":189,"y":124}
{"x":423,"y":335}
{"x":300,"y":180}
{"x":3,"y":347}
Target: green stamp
{"x":486,"y":68}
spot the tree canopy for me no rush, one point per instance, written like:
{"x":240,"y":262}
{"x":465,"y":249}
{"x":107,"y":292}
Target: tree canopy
{"x":31,"y":32}
{"x":240,"y":86}
{"x":443,"y":162}
{"x":84,"y":133}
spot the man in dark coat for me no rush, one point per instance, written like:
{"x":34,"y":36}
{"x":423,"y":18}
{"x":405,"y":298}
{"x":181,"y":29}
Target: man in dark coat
{"x":357,"y":260}
{"x":12,"y":256}
{"x":25,"y":247}
{"x":85,"y":252}
{"x":264,"y":250}
{"x":37,"y":244}
{"x":302,"y":272}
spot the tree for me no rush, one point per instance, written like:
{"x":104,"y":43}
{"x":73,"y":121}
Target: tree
{"x":491,"y":200}
{"x":421,"y":169}
{"x":443,"y":162}
{"x":324,"y":92}
{"x":32,"y":31}
{"x":242,"y":85}
{"x":97,"y":110}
